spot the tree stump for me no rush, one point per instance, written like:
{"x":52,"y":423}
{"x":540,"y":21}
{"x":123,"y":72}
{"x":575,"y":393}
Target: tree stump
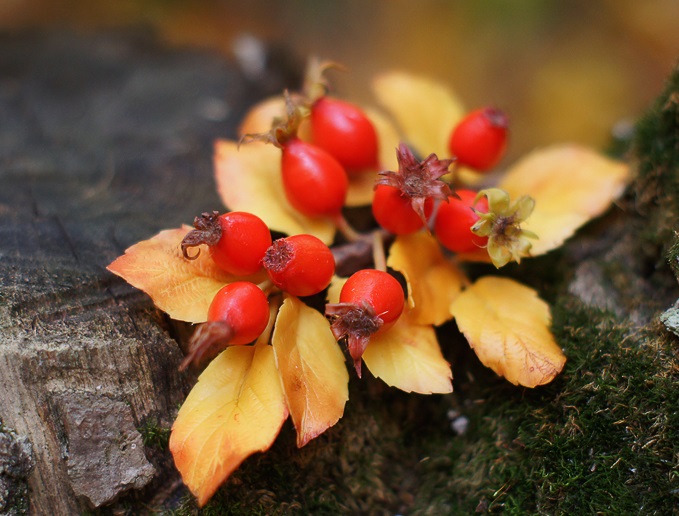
{"x":105,"y":139}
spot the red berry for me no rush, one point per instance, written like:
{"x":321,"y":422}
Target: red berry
{"x":245,"y":239}
{"x":301,"y":265}
{"x":480,"y":139}
{"x":344,"y":131}
{"x":238,"y":314}
{"x":370,"y":301}
{"x":237,"y":240}
{"x":315,"y":183}
{"x":454,"y":220}
{"x":394,"y":211}
{"x":379,"y":289}
{"x":244,"y":307}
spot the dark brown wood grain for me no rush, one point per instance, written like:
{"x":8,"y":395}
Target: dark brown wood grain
{"x":104,"y":140}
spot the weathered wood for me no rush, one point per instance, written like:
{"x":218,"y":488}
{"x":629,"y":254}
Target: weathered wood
{"x":105,"y":139}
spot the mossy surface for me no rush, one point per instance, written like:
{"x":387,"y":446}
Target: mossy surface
{"x":602,"y":438}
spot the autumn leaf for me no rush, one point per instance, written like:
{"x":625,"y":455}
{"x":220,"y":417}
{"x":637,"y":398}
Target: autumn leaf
{"x":249,"y":179}
{"x":433,"y":282}
{"x":508,"y":326}
{"x":570,"y":185}
{"x":311,"y":367}
{"x":407,"y":356}
{"x":236,"y":408}
{"x":182,"y":288}
{"x":424,"y":110}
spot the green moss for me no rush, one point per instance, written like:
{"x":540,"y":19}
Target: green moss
{"x":656,"y":197}
{"x":600,"y":439}
{"x":154,"y":435}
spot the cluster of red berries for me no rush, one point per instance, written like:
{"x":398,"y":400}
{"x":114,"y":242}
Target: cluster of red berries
{"x":477,"y":142}
{"x":315,"y":177}
{"x":240,"y":244}
{"x":315,"y":174}
{"x":302,"y":265}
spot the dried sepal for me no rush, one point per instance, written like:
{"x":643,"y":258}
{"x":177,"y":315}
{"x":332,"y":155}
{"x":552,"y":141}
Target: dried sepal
{"x":316,"y":84}
{"x":207,"y":231}
{"x":209,"y":339}
{"x":418,"y":180}
{"x":283,"y":129}
{"x":355,"y":322}
{"x":507,"y":241}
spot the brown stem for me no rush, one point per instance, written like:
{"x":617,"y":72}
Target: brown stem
{"x":379,"y":258}
{"x":347,"y":231}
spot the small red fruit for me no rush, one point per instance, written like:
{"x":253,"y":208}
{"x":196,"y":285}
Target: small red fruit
{"x":238,"y":314}
{"x":344,"y":131}
{"x":237,"y":240}
{"x":480,"y":139}
{"x":370,"y":301}
{"x":454,"y":220}
{"x":301,"y":265}
{"x":315,"y":183}
{"x":394,"y":211}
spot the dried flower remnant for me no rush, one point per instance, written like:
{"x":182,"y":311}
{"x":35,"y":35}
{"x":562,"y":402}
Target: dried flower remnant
{"x":418,"y":180}
{"x":507,"y":241}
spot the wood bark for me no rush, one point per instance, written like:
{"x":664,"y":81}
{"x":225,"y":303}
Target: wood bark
{"x":105,"y":139}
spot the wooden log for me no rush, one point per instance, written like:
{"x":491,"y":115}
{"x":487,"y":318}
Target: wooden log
{"x":105,"y":139}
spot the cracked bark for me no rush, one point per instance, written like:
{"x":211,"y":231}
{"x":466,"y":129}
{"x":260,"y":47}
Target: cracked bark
{"x":104,"y":141}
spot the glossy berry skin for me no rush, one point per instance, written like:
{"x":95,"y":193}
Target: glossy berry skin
{"x":480,"y":139}
{"x":344,"y":131}
{"x":244,"y":307}
{"x":315,"y":183}
{"x":244,"y":240}
{"x":301,"y":265}
{"x":378,"y":289}
{"x":394,"y":212}
{"x":454,"y":220}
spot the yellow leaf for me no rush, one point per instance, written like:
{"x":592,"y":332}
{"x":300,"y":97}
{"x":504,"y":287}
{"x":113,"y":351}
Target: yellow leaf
{"x":570,"y":184}
{"x":424,"y":110}
{"x":433,"y":282}
{"x":311,"y":367}
{"x":236,"y":408}
{"x":508,"y":326}
{"x":407,"y":356}
{"x":182,"y":288}
{"x":335,"y":289}
{"x":249,"y":179}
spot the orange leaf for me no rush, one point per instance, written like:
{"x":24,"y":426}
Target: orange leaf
{"x":433,"y":281}
{"x":249,"y":179}
{"x":236,"y":408}
{"x":311,"y":367}
{"x":570,"y":184}
{"x":508,"y":326}
{"x":407,"y":356}
{"x":424,"y":110}
{"x":182,"y":288}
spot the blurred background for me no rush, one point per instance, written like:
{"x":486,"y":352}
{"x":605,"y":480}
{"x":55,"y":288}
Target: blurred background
{"x":575,"y":70}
